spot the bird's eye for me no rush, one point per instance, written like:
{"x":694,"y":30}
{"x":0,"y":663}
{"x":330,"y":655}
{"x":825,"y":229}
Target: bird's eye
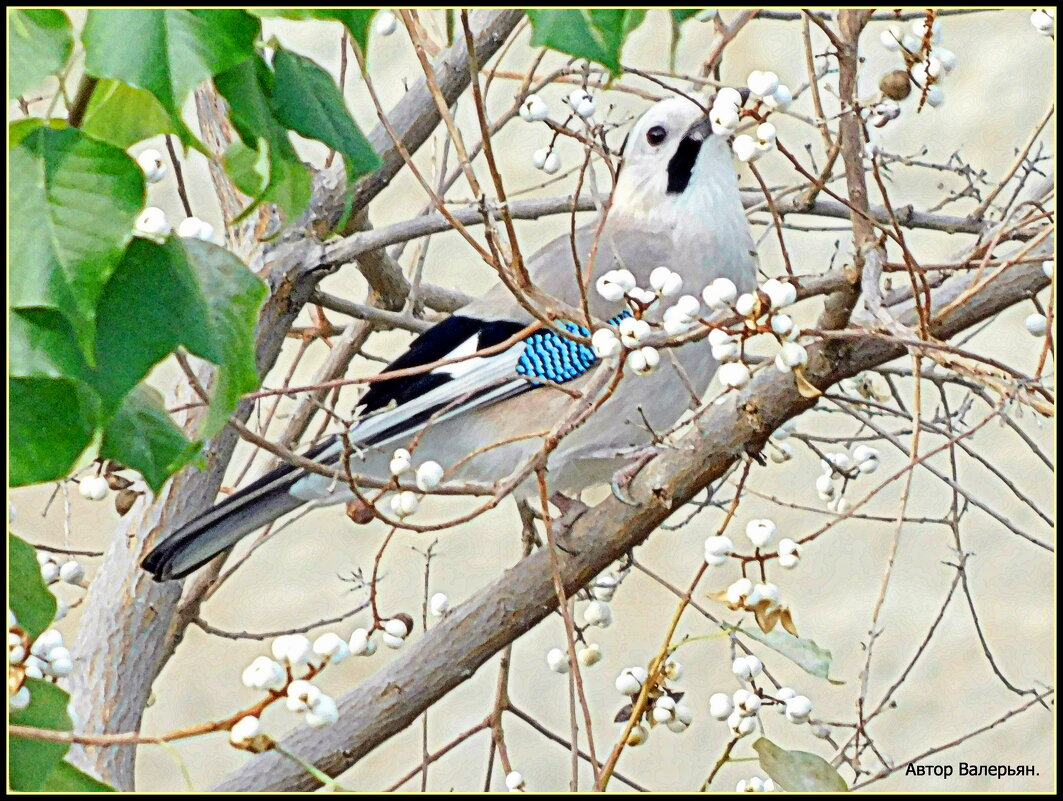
{"x":656,"y":135}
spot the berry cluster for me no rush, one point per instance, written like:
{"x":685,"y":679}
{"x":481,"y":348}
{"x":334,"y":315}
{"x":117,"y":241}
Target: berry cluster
{"x":664,"y":704}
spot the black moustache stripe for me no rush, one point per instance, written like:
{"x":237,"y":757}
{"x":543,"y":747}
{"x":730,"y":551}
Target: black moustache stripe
{"x":681,"y":165}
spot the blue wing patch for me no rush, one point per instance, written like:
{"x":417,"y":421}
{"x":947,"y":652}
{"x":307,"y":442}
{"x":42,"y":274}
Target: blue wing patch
{"x":550,"y":356}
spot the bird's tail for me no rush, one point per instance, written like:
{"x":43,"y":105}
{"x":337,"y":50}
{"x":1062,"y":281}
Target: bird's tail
{"x":222,"y":526}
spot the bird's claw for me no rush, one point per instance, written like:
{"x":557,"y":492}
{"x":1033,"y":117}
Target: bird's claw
{"x":623,"y":477}
{"x":571,"y":508}
{"x":620,"y":493}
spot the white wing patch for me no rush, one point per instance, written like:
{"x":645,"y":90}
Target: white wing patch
{"x":466,"y":348}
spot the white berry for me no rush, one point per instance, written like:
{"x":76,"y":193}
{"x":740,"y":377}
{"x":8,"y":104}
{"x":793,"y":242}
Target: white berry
{"x":152,"y":164}
{"x":760,"y":531}
{"x":292,"y":649}
{"x":628,"y":682}
{"x":429,"y":475}
{"x":719,"y":546}
{"x":790,"y":356}
{"x":396,"y":627}
{"x":724,"y":118}
{"x":782,"y":324}
{"x":665,"y":281}
{"x":798,"y":709}
{"x":245,"y":729}
{"x":745,"y":148}
{"x":738,"y":591}
{"x":720,"y":294}
{"x":323,"y":712}
{"x":332,"y":647}
{"x":557,"y":660}
{"x":1037,"y":324}
{"x":404,"y":504}
{"x":400,"y":462}
{"x":598,"y":613}
{"x":195,"y":228}
{"x":638,"y":736}
{"x":72,"y":572}
{"x":721,"y":706}
{"x":152,"y":223}
{"x":385,"y":23}
{"x":643,"y":361}
{"x":780,"y":99}
{"x":302,"y":695}
{"x":362,"y":643}
{"x":264,"y":674}
{"x":762,"y":84}
{"x":514,"y":780}
{"x":780,"y":293}
{"x":21,"y":699}
{"x":734,"y":375}
{"x":590,"y":655}
{"x":534,"y":109}
{"x":605,"y":343}
{"x":1043,"y":20}
{"x":50,"y":572}
{"x":438,"y":604}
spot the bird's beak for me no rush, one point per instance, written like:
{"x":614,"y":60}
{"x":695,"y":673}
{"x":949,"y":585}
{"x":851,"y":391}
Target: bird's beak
{"x":700,"y":130}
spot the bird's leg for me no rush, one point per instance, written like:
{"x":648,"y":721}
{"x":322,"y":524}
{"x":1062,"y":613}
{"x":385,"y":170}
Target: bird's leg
{"x":571,"y":509}
{"x":623,"y":477}
{"x":529,"y":537}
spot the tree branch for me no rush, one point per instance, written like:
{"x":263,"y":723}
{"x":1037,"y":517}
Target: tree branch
{"x":472,"y":633}
{"x":126,"y":611}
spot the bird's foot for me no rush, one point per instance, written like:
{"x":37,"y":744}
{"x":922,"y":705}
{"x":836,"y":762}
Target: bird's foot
{"x":571,"y":509}
{"x":623,"y":477}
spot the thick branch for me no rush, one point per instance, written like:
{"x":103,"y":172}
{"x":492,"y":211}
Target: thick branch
{"x":450,"y":653}
{"x":352,"y":247}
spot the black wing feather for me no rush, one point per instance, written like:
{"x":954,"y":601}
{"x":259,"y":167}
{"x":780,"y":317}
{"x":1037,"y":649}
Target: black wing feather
{"x":434,"y":344}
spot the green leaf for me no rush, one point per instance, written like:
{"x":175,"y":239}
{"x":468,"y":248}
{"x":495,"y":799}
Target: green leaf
{"x":51,"y":423}
{"x":188,"y":293}
{"x":29,"y":598}
{"x":248,"y":88}
{"x":806,"y":654}
{"x":53,"y":408}
{"x":170,"y":311}
{"x":249,"y":168}
{"x":44,"y":345}
{"x":306,"y":100}
{"x":73,"y":204}
{"x":798,"y":771}
{"x":167,"y":51}
{"x":68,"y":779}
{"x":234,"y":296}
{"x":142,"y":435}
{"x":40,"y":41}
{"x":31,"y":762}
{"x":356,"y":20}
{"x":119,"y":114}
{"x":596,"y":35}
{"x":681,"y":15}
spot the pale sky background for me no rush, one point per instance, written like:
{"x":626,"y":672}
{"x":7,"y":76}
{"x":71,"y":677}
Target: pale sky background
{"x":1001,"y":87}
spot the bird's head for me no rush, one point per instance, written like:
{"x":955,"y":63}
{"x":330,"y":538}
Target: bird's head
{"x":674,"y":166}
